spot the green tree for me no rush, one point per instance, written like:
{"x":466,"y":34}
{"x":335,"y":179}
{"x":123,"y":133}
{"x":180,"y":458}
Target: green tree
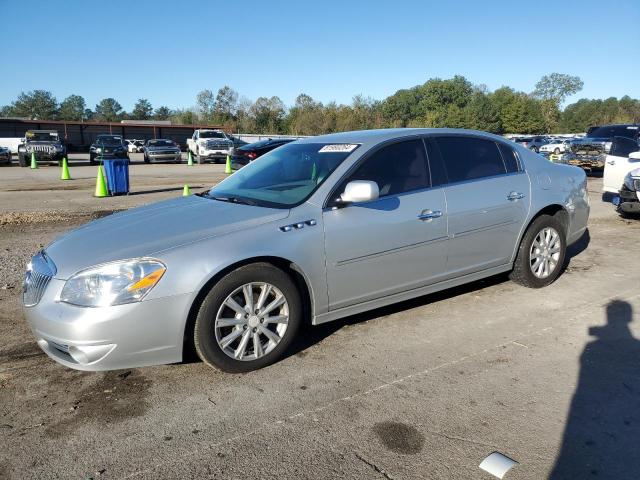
{"x":557,"y":87}
{"x":206,"y":103}
{"x":225,"y":104}
{"x":162,"y":113}
{"x":37,"y":104}
{"x":108,"y":110}
{"x":483,"y":114}
{"x":72,"y":108}
{"x":268,"y":114}
{"x":306,"y":117}
{"x":142,"y":110}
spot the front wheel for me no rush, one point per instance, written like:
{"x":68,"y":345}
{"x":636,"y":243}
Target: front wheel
{"x":557,"y":151}
{"x":248,"y":319}
{"x":541,"y":254}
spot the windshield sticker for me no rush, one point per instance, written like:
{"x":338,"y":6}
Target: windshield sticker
{"x":338,"y":148}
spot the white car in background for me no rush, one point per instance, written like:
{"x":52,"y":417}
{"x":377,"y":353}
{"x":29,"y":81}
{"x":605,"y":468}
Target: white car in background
{"x":623,"y":157}
{"x":556,"y":147}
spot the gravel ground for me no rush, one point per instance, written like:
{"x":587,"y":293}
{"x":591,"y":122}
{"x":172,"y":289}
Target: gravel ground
{"x":422,"y":389}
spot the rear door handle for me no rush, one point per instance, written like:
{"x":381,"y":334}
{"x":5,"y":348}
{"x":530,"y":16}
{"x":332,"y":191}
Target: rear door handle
{"x":429,"y":214}
{"x":611,"y":162}
{"x":515,"y":196}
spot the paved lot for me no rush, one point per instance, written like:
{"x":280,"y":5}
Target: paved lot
{"x":423,"y":389}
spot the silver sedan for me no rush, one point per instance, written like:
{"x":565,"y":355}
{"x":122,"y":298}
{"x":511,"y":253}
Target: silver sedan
{"x":316,"y":230}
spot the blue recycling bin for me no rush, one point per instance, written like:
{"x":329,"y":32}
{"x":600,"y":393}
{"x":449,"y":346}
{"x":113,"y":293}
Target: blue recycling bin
{"x":117,"y":173}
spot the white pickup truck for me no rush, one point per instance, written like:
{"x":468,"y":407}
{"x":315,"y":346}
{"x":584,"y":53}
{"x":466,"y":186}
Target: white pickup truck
{"x":212,"y":145}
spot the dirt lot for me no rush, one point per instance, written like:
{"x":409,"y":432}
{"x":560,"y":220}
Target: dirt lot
{"x":423,"y":389}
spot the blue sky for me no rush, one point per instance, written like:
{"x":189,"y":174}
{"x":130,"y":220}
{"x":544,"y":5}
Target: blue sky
{"x":167,"y":51}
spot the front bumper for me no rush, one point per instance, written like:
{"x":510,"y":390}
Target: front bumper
{"x":165,"y":156}
{"x":150,"y":332}
{"x":627,"y":201}
{"x":214,"y":153}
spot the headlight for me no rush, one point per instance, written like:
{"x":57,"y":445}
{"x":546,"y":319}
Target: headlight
{"x":203,"y":144}
{"x":112,"y":284}
{"x":98,"y":150}
{"x":632,"y":183}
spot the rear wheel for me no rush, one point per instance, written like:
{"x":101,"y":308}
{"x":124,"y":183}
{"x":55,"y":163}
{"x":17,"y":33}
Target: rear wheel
{"x":22,"y":160}
{"x":541,"y":254}
{"x":248,"y":319}
{"x":198,"y":158}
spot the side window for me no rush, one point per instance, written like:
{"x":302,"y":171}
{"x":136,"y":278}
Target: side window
{"x":469,"y":158}
{"x":509,"y":157}
{"x":397,"y":168}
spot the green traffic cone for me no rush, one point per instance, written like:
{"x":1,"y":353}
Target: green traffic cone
{"x":34,"y":163}
{"x":101,"y":184}
{"x":65,"y":175}
{"x":189,"y":159}
{"x":227,"y":168}
{"x":186,"y":191}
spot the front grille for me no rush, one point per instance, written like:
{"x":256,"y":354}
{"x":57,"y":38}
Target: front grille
{"x":39,"y":273}
{"x":41,"y":148}
{"x":164,"y":152}
{"x":218,"y":145}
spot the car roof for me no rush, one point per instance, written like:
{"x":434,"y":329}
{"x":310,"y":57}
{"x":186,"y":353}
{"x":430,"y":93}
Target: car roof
{"x":373,"y":137}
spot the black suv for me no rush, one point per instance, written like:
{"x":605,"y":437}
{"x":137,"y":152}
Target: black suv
{"x":107,"y":147}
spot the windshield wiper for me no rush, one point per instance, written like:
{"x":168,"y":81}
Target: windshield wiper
{"x":231,"y":199}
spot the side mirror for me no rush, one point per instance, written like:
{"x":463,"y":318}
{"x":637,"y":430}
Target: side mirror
{"x":634,"y":156}
{"x":360,"y":191}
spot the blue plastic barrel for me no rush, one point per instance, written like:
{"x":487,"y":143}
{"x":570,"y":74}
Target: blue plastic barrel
{"x":117,"y":172}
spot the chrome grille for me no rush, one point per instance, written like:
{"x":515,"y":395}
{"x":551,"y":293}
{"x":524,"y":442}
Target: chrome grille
{"x":217,"y":144}
{"x":39,"y":273}
{"x":41,"y":148}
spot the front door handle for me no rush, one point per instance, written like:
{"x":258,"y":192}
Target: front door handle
{"x":429,"y":214}
{"x":611,"y":162}
{"x":513,"y":196}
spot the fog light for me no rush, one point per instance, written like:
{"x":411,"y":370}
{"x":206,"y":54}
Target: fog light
{"x":89,"y":354}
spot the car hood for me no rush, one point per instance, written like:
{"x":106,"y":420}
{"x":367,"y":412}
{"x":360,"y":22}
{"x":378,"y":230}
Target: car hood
{"x":147,"y":230}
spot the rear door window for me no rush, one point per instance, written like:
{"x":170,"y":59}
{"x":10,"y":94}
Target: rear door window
{"x":470,"y":158}
{"x":509,"y":157}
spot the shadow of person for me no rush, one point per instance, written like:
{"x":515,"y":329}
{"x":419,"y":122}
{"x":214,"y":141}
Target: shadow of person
{"x":602,"y":435}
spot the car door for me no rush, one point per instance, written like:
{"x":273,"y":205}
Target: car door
{"x":393,"y":244}
{"x":618,"y":163}
{"x":487,"y":195}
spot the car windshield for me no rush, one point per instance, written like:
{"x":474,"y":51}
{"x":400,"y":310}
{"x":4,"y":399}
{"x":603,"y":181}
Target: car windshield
{"x":284,"y":177}
{"x":212,"y":135}
{"x":109,"y":141}
{"x":42,"y":137}
{"x":161,"y":143}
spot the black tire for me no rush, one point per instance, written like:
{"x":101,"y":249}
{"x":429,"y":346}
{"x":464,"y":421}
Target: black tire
{"x":146,"y":159}
{"x":22,"y":160}
{"x":557,"y":151}
{"x":521,"y":272}
{"x":204,"y":337}
{"x":198,"y":158}
{"x":92,"y":160}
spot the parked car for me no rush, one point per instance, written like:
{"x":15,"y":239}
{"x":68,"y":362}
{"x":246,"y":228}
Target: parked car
{"x":44,"y":145}
{"x":316,"y":230}
{"x":623,"y":157}
{"x":5,"y":155}
{"x":162,"y":149}
{"x":210,"y":145}
{"x":243,"y":155}
{"x":590,"y":152}
{"x":628,"y":199}
{"x":107,"y":146}
{"x":135,"y":146}
{"x":556,"y":147}
{"x":532,"y":143}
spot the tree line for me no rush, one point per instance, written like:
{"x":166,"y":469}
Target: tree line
{"x":454,"y":103}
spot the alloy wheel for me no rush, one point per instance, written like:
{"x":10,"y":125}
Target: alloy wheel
{"x":545,"y":252}
{"x":251,"y":321}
